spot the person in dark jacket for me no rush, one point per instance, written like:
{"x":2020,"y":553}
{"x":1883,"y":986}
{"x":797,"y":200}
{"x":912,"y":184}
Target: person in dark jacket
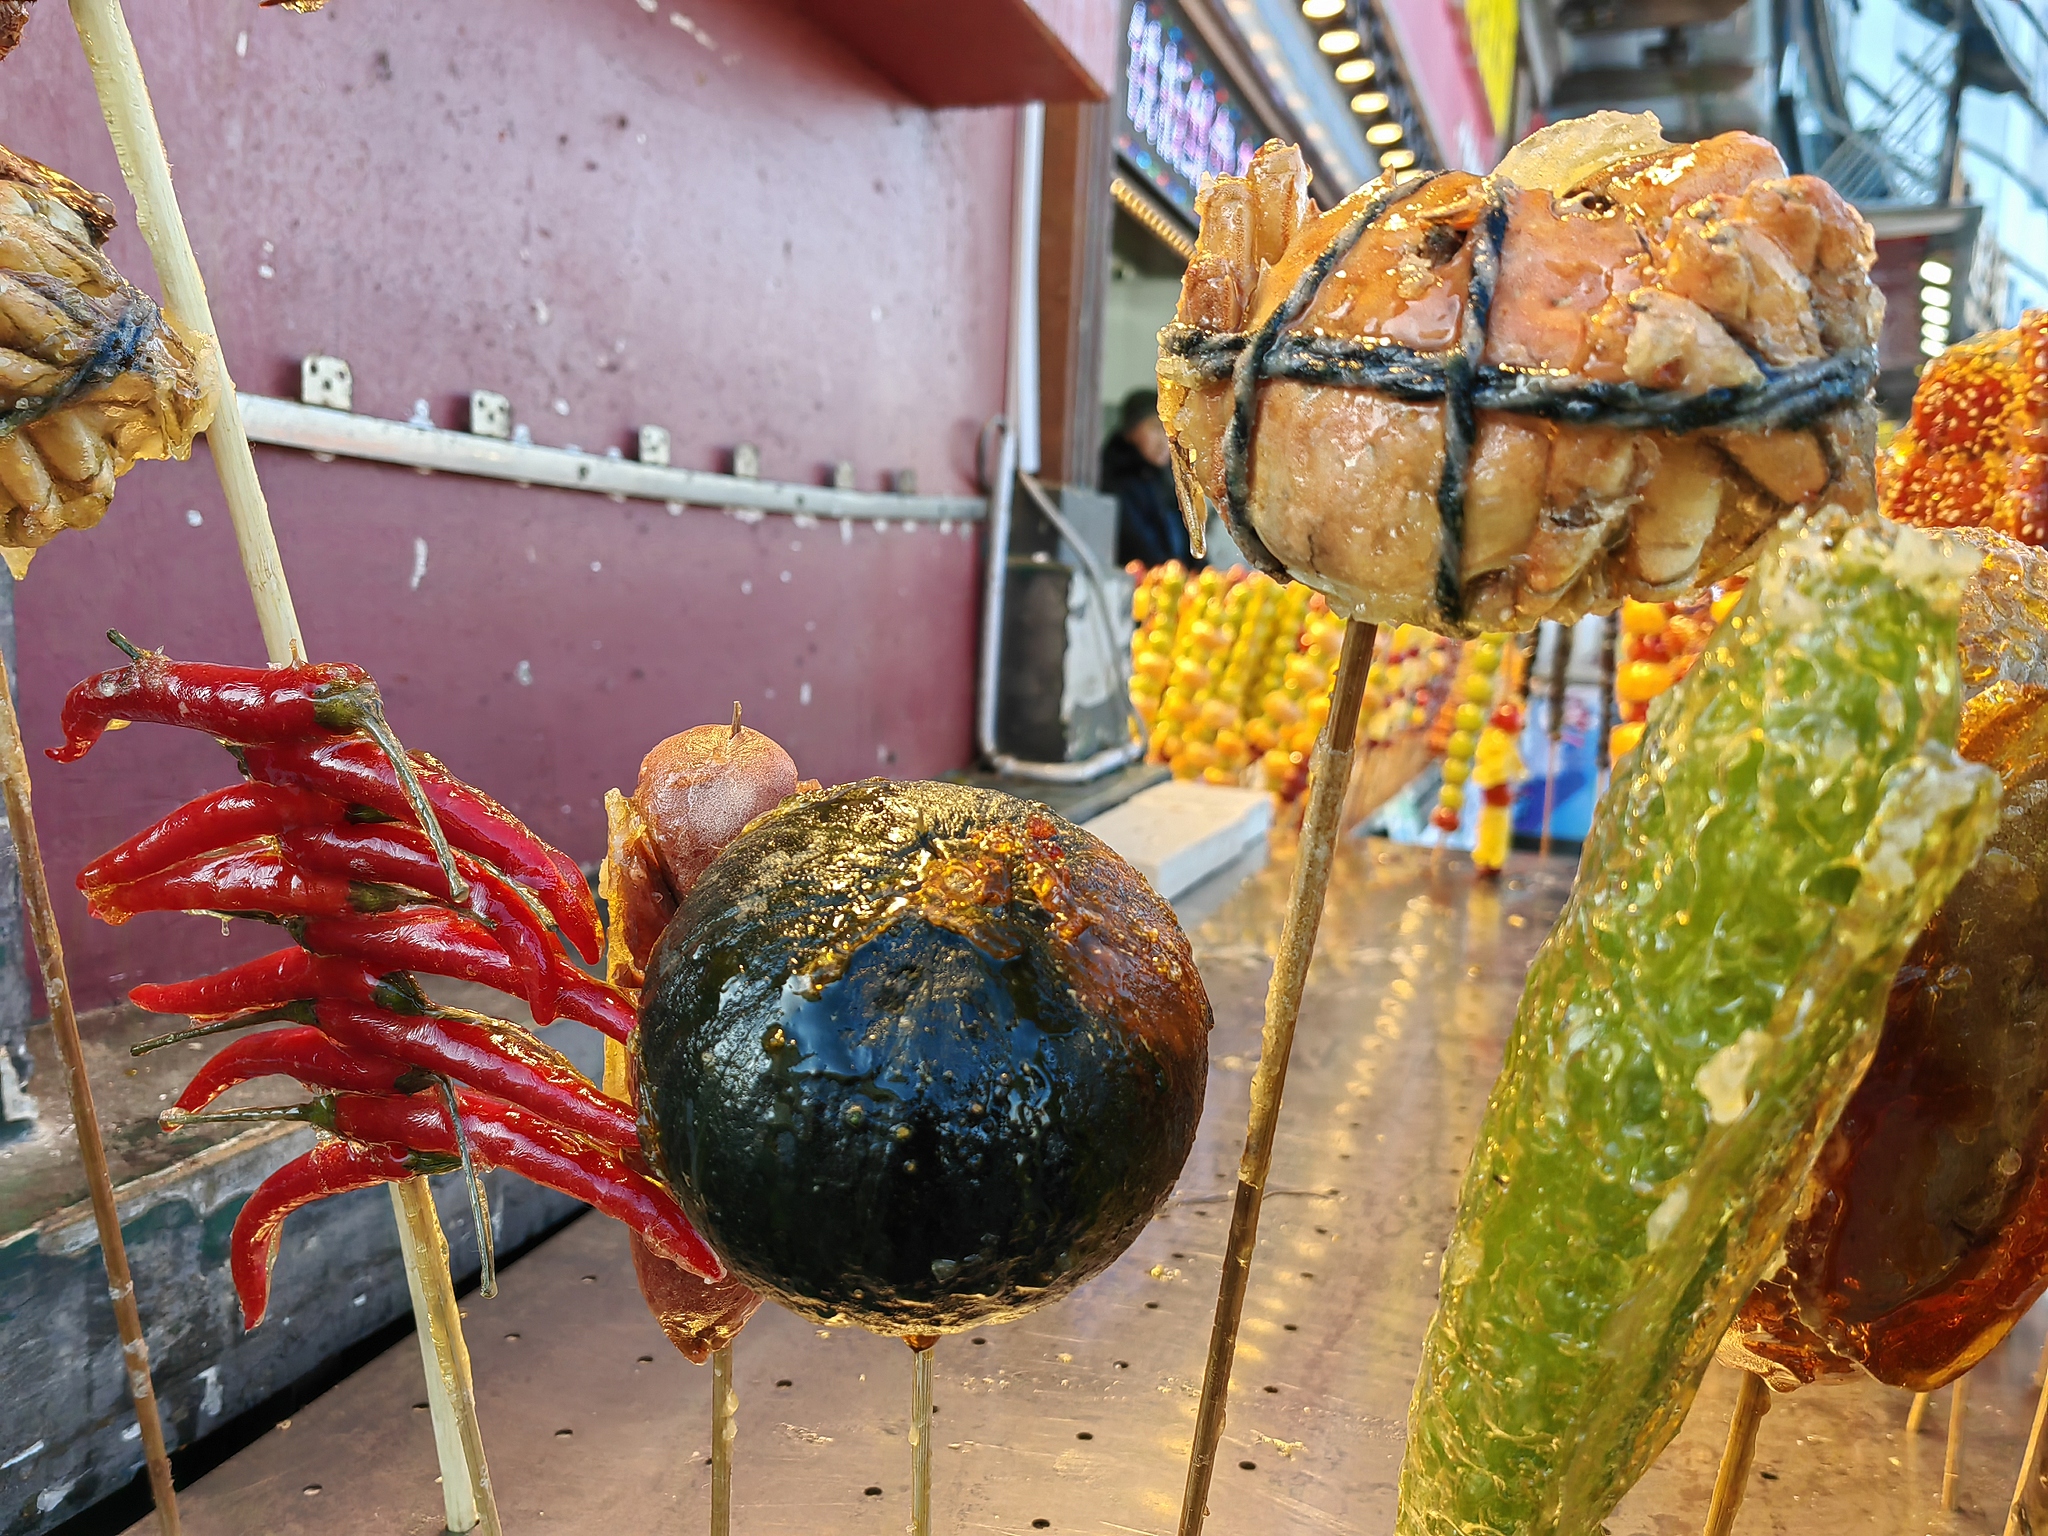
{"x":1134,"y":470}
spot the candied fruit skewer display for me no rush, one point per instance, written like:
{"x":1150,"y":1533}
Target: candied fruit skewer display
{"x":1692,"y":1028}
{"x":1975,"y":453}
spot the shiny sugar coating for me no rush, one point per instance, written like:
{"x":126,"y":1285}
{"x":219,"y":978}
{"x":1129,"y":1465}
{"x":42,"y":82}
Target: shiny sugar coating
{"x":1924,"y":1237}
{"x":1692,"y":1028}
{"x":1976,"y":452}
{"x":921,"y":1056}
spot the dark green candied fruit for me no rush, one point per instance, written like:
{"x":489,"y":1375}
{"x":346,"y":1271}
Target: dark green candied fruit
{"x":921,"y":1056}
{"x":1692,"y":1028}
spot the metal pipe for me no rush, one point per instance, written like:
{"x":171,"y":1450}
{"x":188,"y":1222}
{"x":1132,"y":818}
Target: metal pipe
{"x":339,"y":434}
{"x":1116,"y":654}
{"x":1016,"y":433}
{"x":1016,"y":448}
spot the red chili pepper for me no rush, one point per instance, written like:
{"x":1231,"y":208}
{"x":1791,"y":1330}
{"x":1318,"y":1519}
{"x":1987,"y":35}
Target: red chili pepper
{"x":269,"y":981}
{"x":439,"y":942}
{"x":239,"y":704}
{"x":219,"y":820}
{"x":401,"y":854}
{"x":250,"y":881}
{"x":300,"y":1052}
{"x":332,"y":1168}
{"x":507,"y":1136}
{"x":499,"y":1058}
{"x":358,"y":772}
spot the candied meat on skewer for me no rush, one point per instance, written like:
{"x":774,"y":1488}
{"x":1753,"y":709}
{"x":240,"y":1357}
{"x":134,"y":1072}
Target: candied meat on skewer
{"x":1473,"y":403}
{"x":93,"y":375}
{"x":695,"y":792}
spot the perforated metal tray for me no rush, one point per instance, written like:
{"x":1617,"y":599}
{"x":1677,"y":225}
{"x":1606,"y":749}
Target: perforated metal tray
{"x":1078,"y":1418}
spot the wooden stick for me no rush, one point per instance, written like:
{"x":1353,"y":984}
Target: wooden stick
{"x":1331,"y":775}
{"x":725,"y":1404}
{"x":2026,"y":1493}
{"x":1952,"y":1465}
{"x":145,"y":166}
{"x":124,"y":98}
{"x":1560,"y":664}
{"x":1917,"y":1414}
{"x":35,"y":889}
{"x":921,"y":1433}
{"x":467,"y":1498}
{"x":1752,"y":1402}
{"x":1610,"y":637}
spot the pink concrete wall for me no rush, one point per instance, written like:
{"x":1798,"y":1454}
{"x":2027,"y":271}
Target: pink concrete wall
{"x":1090,"y":30}
{"x":721,"y":223}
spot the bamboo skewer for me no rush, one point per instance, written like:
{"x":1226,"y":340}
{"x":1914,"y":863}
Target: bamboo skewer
{"x":35,"y":888}
{"x":145,"y":166}
{"x":1560,"y":662}
{"x":2026,"y":1492}
{"x":921,"y":1346}
{"x":1610,"y":633}
{"x":1752,"y":1402}
{"x":1330,"y":778}
{"x":725,"y":1404}
{"x":1916,"y":1414}
{"x":1952,"y":1463}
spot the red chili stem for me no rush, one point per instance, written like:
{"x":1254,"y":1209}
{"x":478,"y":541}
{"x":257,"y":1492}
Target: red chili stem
{"x":239,"y":704}
{"x":270,"y":981}
{"x":507,"y":1136}
{"x":401,"y":854}
{"x":332,"y":1168}
{"x":219,"y":820}
{"x":355,"y":771}
{"x":490,"y":1054}
{"x":439,"y":942}
{"x":250,"y":881}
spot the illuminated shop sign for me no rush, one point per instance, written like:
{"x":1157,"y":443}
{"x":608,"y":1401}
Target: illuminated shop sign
{"x":1181,"y":119}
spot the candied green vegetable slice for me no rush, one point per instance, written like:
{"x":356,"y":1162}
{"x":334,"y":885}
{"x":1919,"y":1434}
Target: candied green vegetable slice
{"x":1692,"y":1027}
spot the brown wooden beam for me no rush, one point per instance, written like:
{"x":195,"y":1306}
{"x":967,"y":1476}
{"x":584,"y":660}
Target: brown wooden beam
{"x":1073,"y":286}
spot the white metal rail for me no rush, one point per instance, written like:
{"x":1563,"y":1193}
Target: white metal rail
{"x":316,"y":429}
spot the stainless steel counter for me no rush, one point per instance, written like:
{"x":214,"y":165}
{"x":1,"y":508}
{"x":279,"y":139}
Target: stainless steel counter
{"x":1078,"y":1419}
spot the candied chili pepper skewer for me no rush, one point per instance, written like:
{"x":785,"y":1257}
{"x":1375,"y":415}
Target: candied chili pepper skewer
{"x":271,"y":981}
{"x":491,"y":1055}
{"x":309,"y":699}
{"x":302,"y":873}
{"x":509,"y":1136}
{"x":301,"y":1052}
{"x":314,"y":1059}
{"x":354,"y":771}
{"x":400,"y":854}
{"x":214,"y":821}
{"x":503,"y":1136}
{"x":332,"y":1168}
{"x":369,"y":959}
{"x":246,"y":706}
{"x":444,"y":943}
{"x":251,"y":881}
